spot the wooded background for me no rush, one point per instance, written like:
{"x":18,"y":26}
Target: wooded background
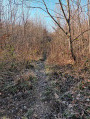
{"x":22,"y":39}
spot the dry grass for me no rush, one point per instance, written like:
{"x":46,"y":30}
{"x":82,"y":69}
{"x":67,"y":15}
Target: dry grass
{"x":25,"y":43}
{"x":59,"y":48}
{"x":29,"y":41}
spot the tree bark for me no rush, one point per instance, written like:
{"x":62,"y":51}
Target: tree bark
{"x":69,"y":27}
{"x":89,"y":23}
{"x":0,"y":15}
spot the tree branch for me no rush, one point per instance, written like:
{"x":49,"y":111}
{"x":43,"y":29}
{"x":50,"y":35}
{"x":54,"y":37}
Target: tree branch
{"x":53,"y":18}
{"x":36,"y":8}
{"x":80,"y":34}
{"x":63,"y":11}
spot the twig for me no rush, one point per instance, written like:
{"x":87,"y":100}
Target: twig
{"x":80,"y":34}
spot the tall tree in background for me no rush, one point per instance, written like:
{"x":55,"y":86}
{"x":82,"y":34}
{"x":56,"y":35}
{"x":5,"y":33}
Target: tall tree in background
{"x":67,"y":17}
{"x":88,"y":1}
{"x":0,"y":14}
{"x":68,"y":21}
{"x":65,"y":8}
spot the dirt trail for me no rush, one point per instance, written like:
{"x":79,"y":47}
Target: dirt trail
{"x":41,"y":109}
{"x":58,"y":95}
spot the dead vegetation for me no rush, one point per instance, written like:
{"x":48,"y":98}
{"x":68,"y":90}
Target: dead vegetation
{"x":38,"y":68}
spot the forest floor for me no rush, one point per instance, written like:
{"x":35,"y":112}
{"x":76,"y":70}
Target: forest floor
{"x":43,"y":92}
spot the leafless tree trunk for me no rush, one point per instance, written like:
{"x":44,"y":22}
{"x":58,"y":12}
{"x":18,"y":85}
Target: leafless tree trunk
{"x":0,"y":11}
{"x":69,"y":26}
{"x":89,"y":23}
{"x":80,"y":25}
{"x":67,"y":19}
{"x":0,"y":15}
{"x":79,"y":22}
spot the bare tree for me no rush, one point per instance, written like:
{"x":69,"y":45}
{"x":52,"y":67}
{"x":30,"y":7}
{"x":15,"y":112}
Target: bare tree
{"x":89,"y":22}
{"x":69,"y":27}
{"x":67,"y":19}
{"x":0,"y":15}
{"x":65,"y":8}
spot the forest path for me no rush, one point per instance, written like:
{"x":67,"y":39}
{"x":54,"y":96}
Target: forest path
{"x":43,"y":92}
{"x":41,"y":108}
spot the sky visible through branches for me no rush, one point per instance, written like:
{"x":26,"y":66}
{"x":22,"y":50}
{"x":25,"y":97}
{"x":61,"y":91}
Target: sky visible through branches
{"x":38,"y":13}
